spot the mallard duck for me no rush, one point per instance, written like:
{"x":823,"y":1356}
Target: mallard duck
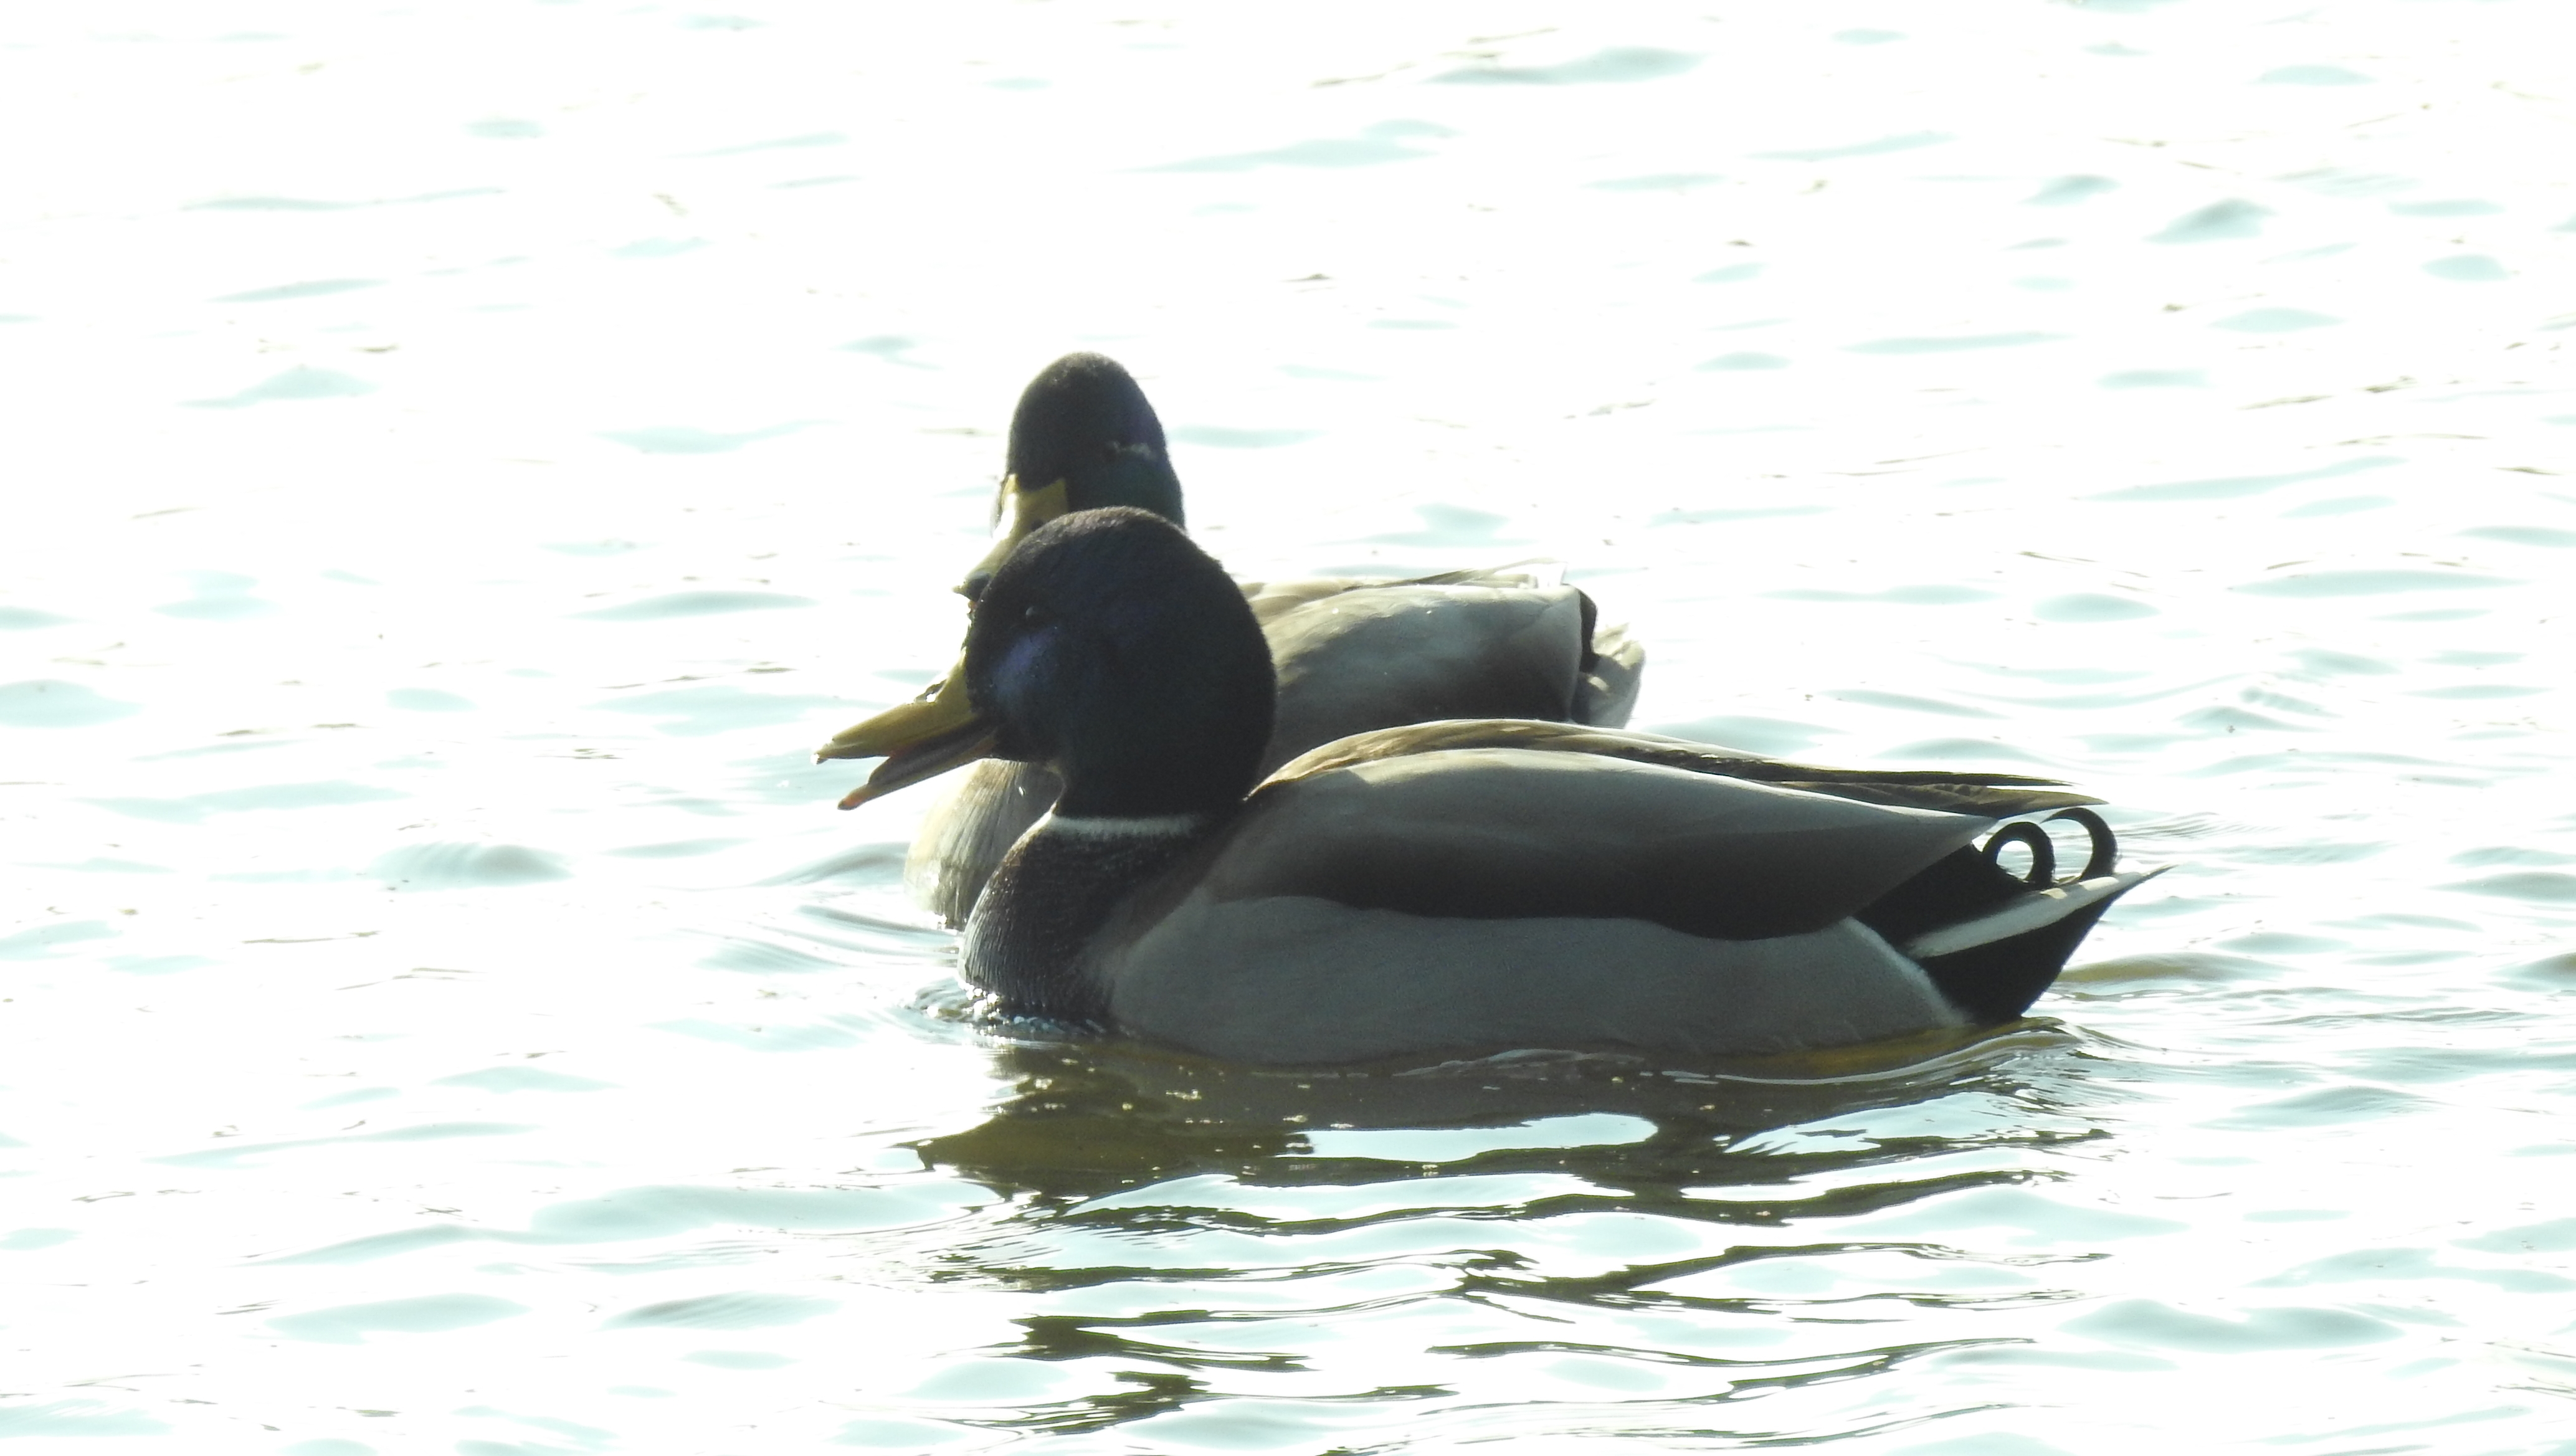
{"x":1350,"y":653}
{"x":1441,"y":887}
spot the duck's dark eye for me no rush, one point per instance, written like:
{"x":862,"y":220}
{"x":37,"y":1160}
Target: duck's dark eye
{"x":1034,"y":615}
{"x":1110,"y":450}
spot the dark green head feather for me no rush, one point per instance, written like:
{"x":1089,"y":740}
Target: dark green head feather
{"x":1113,"y":650}
{"x":1084,"y":421}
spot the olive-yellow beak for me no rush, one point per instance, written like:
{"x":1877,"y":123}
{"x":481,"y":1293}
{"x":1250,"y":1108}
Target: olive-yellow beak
{"x":926,"y":737}
{"x":941,"y":730}
{"x":1029,"y":510}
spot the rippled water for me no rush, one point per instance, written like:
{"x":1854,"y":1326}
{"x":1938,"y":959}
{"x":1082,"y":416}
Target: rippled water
{"x":462,"y":457}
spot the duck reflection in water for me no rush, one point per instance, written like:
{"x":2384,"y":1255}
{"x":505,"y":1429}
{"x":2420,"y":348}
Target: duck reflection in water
{"x":1088,"y":1118}
{"x":1208,"y":1202}
{"x":1451,"y":886}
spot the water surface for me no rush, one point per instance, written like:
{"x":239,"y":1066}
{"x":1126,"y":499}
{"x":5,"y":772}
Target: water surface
{"x":465,"y":457}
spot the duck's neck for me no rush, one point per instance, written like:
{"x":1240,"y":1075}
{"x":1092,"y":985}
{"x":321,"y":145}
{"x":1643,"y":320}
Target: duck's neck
{"x":1137,"y":475}
{"x":1030,"y":941}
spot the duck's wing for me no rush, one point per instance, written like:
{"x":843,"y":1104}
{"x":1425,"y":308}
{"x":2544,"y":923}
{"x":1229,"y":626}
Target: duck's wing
{"x":1493,"y":833}
{"x":1407,"y":652}
{"x":1990,"y":795}
{"x":1271,"y":599}
{"x":1601,"y":675}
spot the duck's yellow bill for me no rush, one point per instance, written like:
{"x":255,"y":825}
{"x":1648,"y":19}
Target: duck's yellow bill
{"x":1029,"y":510}
{"x":928,"y":736}
{"x":940,"y":730}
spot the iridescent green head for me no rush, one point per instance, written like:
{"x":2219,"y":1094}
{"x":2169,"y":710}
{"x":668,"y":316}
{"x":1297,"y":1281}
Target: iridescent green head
{"x":1083,"y":437}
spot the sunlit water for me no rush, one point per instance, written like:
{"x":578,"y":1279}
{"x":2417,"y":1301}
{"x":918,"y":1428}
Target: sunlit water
{"x":460,"y":459}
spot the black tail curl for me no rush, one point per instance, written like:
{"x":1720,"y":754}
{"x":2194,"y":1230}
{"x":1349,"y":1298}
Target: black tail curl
{"x":2043,"y":853}
{"x":2104,"y":850}
{"x":1968,"y":882}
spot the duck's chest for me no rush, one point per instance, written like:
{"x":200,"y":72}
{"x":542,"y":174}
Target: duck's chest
{"x":1031,"y":940}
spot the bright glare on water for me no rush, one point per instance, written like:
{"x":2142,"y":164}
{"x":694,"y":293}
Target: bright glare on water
{"x":462,"y":457}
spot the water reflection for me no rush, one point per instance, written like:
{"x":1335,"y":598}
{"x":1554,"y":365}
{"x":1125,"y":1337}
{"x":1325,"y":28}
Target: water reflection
{"x":1664,"y":1220}
{"x":1758,"y":1141}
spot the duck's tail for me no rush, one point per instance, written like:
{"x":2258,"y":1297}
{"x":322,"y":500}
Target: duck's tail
{"x":1992,"y":941}
{"x":1994,"y":966}
{"x":1614,"y":667}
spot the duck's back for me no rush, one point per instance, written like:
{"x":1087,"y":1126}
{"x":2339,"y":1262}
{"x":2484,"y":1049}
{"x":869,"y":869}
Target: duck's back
{"x":1375,"y":654}
{"x":1411,"y":652}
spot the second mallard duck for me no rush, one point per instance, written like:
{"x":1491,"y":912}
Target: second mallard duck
{"x":1351,"y":653}
{"x":1451,"y":886}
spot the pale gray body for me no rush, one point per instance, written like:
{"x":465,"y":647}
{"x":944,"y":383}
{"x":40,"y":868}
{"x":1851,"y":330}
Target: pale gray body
{"x":1294,"y":979}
